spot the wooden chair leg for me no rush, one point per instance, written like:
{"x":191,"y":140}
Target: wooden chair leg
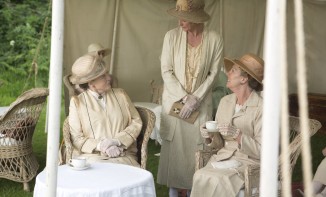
{"x":26,"y":187}
{"x":24,"y":175}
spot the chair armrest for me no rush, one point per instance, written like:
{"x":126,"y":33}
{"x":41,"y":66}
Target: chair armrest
{"x":65,"y":152}
{"x":148,"y":118}
{"x":251,"y":174}
{"x":203,"y":156}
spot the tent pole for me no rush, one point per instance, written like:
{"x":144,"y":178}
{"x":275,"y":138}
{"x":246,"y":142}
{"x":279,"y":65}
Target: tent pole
{"x":303,"y":100}
{"x":273,"y":47}
{"x":117,"y":4}
{"x":221,"y":19}
{"x":55,"y":83}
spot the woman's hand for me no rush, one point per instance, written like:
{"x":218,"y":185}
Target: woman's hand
{"x":191,"y":104}
{"x":185,"y":112}
{"x":113,"y":151}
{"x":107,"y":143}
{"x":192,"y":101}
{"x":204,"y":132}
{"x":229,"y":130}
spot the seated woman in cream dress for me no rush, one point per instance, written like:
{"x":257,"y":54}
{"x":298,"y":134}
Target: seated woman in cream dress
{"x":239,"y":117}
{"x":104,"y":124}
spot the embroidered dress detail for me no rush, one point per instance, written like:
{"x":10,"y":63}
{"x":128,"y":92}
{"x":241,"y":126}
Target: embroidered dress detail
{"x":100,"y":99}
{"x":192,"y":65}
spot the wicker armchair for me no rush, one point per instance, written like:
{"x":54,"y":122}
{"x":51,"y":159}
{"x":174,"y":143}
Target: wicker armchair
{"x":146,"y":116}
{"x":156,"y":92}
{"x":17,"y":160}
{"x":252,"y":172}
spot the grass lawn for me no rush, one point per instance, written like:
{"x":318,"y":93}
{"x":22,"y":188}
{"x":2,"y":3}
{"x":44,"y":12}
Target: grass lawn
{"x":13,"y":189}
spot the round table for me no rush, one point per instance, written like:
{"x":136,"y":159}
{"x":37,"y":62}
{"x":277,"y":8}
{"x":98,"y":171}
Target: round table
{"x":100,"y":179}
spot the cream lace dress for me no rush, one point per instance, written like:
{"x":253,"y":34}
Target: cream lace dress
{"x":177,"y":162}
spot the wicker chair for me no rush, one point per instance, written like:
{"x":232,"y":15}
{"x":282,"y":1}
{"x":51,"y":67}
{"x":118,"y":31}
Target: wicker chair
{"x":252,"y":172}
{"x":148,"y":119}
{"x":156,"y":92}
{"x":17,"y":160}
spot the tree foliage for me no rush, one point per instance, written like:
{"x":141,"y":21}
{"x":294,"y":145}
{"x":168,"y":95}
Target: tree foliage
{"x":21,"y":30}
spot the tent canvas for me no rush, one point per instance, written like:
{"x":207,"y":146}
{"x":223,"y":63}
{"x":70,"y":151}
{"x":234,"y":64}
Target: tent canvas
{"x":142,"y":25}
{"x":234,"y":46}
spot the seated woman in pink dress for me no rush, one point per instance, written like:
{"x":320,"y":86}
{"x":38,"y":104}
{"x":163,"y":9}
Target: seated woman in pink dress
{"x":104,"y":124}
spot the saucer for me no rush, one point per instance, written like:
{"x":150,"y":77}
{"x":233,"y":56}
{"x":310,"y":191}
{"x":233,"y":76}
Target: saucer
{"x":82,"y":168}
{"x":212,"y":130}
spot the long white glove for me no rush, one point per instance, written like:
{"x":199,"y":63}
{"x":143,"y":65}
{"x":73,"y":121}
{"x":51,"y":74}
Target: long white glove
{"x":185,"y":112}
{"x":191,"y":104}
{"x":106,"y":143}
{"x":229,"y":130}
{"x":203,"y":131}
{"x":114,"y":151}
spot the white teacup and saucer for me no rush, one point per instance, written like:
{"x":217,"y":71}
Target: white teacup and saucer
{"x":211,"y":126}
{"x":78,"y":163}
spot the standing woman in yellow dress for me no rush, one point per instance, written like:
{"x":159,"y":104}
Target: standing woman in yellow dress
{"x":190,"y":63}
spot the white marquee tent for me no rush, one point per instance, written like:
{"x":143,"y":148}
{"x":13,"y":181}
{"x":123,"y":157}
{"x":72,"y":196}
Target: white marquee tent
{"x":141,"y":25}
{"x":134,"y":29}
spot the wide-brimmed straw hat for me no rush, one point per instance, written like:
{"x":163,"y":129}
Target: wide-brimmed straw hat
{"x":250,"y":63}
{"x":190,"y":10}
{"x":99,"y":49}
{"x":87,"y":68}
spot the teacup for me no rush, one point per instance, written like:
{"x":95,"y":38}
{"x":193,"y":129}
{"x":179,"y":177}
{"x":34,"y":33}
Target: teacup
{"x":211,"y":125}
{"x":78,"y":162}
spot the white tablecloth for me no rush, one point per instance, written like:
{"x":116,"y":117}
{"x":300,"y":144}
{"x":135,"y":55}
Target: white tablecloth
{"x":100,"y":180}
{"x":157,"y":109}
